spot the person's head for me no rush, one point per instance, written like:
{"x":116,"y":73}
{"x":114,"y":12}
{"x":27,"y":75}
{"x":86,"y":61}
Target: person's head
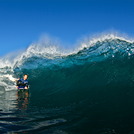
{"x":25,"y":76}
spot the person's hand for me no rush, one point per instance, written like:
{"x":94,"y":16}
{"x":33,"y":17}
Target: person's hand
{"x":26,"y":87}
{"x":17,"y":79}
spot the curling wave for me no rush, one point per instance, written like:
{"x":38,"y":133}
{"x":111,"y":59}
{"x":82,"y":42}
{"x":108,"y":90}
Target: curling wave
{"x":87,"y":87}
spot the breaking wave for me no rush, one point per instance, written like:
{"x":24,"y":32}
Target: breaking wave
{"x":88,"y":86}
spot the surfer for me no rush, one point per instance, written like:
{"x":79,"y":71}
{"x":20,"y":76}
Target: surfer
{"x":23,"y":82}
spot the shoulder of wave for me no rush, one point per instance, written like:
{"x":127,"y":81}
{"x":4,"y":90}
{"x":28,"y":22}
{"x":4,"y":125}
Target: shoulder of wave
{"x":101,"y":39}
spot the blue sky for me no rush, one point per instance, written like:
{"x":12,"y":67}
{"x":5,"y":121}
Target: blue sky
{"x":24,"y":21}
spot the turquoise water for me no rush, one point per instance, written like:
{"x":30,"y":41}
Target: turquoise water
{"x":90,"y":91}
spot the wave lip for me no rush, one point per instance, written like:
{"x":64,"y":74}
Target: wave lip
{"x":96,"y":49}
{"x":106,"y":45}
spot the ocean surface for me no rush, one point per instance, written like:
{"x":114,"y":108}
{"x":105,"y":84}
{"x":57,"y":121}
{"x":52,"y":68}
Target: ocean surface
{"x":89,"y":90}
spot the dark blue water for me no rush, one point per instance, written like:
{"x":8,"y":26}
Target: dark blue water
{"x":88,"y":92}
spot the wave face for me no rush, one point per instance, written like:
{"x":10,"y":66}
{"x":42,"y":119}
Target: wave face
{"x":88,"y":90}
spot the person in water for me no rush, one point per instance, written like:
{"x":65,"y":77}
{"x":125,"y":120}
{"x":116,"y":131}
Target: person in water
{"x":23,"y":82}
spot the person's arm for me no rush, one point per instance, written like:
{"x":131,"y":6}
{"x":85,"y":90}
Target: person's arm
{"x":16,"y":80}
{"x":27,"y":86}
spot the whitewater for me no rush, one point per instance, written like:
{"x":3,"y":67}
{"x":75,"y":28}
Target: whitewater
{"x":85,"y":90}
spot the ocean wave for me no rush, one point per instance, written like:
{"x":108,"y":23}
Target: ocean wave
{"x":48,"y":55}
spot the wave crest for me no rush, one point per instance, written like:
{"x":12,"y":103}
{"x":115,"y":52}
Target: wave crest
{"x":94,"y":50}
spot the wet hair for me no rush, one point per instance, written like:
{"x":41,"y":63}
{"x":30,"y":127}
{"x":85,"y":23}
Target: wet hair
{"x":25,"y":74}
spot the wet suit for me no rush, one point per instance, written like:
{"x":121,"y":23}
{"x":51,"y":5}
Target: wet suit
{"x":21,"y":83}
